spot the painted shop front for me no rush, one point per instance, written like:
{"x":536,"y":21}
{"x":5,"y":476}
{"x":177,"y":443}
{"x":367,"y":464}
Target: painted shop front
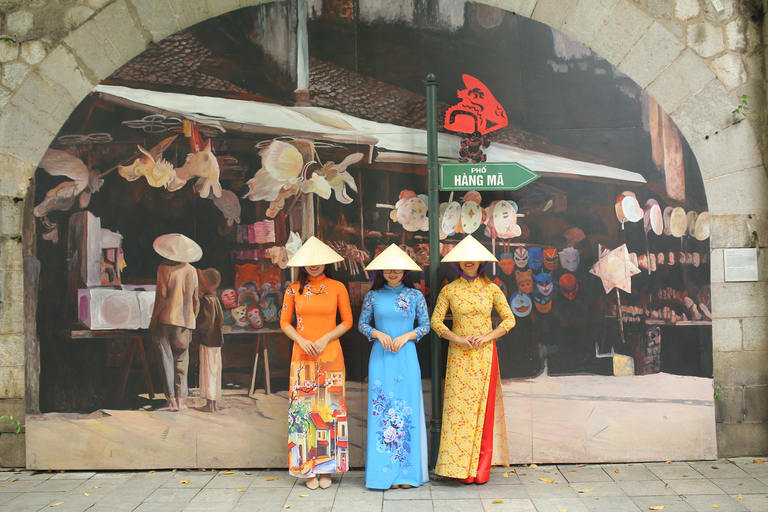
{"x":254,"y":130}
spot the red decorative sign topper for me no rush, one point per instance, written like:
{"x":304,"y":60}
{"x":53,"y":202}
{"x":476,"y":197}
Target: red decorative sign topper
{"x":478,"y":110}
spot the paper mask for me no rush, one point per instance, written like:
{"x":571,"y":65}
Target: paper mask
{"x":570,"y":259}
{"x":506,"y":262}
{"x":569,"y":286}
{"x":551,"y":259}
{"x":412,"y":214}
{"x":254,"y":317}
{"x":450,"y":218}
{"x":524,"y":281}
{"x":543,"y":302}
{"x":544,"y":284}
{"x":471,"y":216}
{"x":521,"y":257}
{"x":478,"y":110}
{"x":238,"y":314}
{"x":535,"y":258}
{"x":521,"y":304}
{"x":229,"y":298}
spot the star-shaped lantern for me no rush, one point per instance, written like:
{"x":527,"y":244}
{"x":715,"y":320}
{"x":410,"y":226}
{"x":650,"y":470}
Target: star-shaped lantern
{"x":615,"y":268}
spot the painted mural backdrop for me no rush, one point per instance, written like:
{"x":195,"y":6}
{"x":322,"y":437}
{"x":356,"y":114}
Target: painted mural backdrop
{"x":252,"y":131}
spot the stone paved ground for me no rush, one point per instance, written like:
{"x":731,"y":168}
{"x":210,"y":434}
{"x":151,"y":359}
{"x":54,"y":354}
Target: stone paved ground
{"x":724,"y":485}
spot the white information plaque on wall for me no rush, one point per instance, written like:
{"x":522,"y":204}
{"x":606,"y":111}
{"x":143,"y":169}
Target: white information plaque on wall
{"x":740,"y":264}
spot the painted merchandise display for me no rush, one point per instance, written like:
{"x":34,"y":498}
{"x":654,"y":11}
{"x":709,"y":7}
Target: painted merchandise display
{"x":394,"y":317}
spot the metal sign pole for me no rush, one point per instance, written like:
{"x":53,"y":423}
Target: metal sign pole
{"x":434,"y":261}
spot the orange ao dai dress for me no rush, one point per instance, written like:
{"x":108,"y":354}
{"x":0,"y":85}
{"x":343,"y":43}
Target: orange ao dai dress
{"x":317,"y":409}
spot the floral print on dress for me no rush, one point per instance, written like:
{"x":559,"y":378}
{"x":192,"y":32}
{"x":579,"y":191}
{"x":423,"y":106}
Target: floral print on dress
{"x":393,"y":426}
{"x":405,"y":301}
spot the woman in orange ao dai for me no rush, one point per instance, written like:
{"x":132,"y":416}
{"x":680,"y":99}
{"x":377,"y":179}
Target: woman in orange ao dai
{"x":317,"y":408}
{"x":474,"y":434}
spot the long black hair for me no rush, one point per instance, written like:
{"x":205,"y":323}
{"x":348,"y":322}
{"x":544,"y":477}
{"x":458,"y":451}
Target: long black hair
{"x":304,"y":277}
{"x":379,"y":281}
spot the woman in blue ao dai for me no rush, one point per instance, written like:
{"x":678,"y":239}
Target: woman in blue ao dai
{"x":393,"y":315}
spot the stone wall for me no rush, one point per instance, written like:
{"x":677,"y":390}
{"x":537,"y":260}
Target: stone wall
{"x":697,"y":63}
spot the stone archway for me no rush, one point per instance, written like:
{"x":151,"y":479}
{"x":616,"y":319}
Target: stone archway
{"x":675,"y":68}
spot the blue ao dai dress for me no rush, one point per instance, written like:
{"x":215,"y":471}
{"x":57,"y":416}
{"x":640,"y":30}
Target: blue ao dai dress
{"x":397,"y":431}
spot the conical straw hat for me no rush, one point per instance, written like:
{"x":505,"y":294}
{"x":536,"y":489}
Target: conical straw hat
{"x":177,"y":247}
{"x":393,"y":258}
{"x":469,"y":249}
{"x":314,"y":252}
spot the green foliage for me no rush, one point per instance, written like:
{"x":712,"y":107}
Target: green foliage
{"x":718,"y":392}
{"x":743,"y":105}
{"x":12,"y":423}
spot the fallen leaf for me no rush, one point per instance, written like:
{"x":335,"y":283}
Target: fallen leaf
{"x":546,"y":480}
{"x":506,"y":475}
{"x":13,"y":480}
{"x":497,"y":501}
{"x":586,"y":490}
{"x":286,"y":506}
{"x":241,"y":490}
{"x":303,"y":495}
{"x":616,"y":471}
{"x":668,"y":462}
{"x":685,"y":476}
{"x":57,"y":504}
{"x":666,"y":486}
{"x":227,"y":472}
{"x":660,"y":507}
{"x":573,"y":471}
{"x":62,"y":471}
{"x":533,"y":466}
{"x":512,"y":472}
{"x":249,"y":473}
{"x":579,"y":465}
{"x":86,"y":494}
{"x":270,"y":479}
{"x":739,"y":497}
{"x":564,"y":510}
{"x":572,"y":485}
{"x":715,"y":467}
{"x":184,"y":481}
{"x":96,"y":486}
{"x":715,"y":506}
{"x":173,"y":471}
{"x":758,"y":461}
{"x":153,"y":471}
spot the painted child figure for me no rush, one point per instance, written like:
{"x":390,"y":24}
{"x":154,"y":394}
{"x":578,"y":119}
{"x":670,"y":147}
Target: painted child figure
{"x":209,"y":336}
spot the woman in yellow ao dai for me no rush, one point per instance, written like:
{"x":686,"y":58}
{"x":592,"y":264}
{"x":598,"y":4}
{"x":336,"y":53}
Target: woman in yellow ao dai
{"x":474,"y":433}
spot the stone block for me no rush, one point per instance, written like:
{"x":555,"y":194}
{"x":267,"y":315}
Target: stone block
{"x":33,"y":52}
{"x":157,"y":18}
{"x":13,"y":285}
{"x":711,"y":14}
{"x":10,"y":217}
{"x":730,"y":70}
{"x":733,"y":369}
{"x":217,"y":7}
{"x":15,"y":407}
{"x":728,"y":231}
{"x":716,"y":272}
{"x":122,"y":31}
{"x":14,"y":74}
{"x":93,"y":47}
{"x":11,"y":317}
{"x":726,"y":335}
{"x":741,"y":439}
{"x":61,"y":70}
{"x":9,"y":50}
{"x":756,"y":403}
{"x":738,"y":300}
{"x":42,"y":103}
{"x":19,"y":23}
{"x":189,"y":12}
{"x":652,"y":54}
{"x":587,"y":18}
{"x":687,"y":9}
{"x":729,"y":150}
{"x":706,"y":39}
{"x":741,"y":192}
{"x":97,"y":4}
{"x":77,"y":15}
{"x":659,"y":8}
{"x":729,"y":405}
{"x":624,"y":26}
{"x":755,"y":333}
{"x":11,"y":382}
{"x":11,"y":351}
{"x":15,"y":176}
{"x":686,"y":76}
{"x":12,"y":451}
{"x":736,"y":33}
{"x":553,"y":12}
{"x":22,"y":137}
{"x":11,"y":254}
{"x":5,"y":96}
{"x":521,"y":7}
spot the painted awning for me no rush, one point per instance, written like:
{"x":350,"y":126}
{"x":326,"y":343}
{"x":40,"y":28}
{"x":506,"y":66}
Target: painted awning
{"x":396,"y":144}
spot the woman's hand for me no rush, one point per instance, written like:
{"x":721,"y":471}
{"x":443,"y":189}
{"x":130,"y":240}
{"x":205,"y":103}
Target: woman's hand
{"x":463,"y":340}
{"x":306,"y":345}
{"x":399,"y":343}
{"x":478,"y":340}
{"x":385,"y":339}
{"x":320,"y":344}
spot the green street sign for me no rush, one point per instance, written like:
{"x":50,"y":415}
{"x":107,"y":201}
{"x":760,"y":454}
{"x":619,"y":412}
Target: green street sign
{"x":485,"y":176}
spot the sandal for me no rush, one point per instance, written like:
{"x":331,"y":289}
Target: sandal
{"x":395,"y":487}
{"x":325,"y":481}
{"x":312,"y":483}
{"x":406,"y":486}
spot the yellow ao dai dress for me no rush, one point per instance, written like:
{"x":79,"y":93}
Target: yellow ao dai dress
{"x":468,"y":376}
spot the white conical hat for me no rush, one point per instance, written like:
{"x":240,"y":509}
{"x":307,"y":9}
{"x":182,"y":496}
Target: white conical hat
{"x":469,"y":249}
{"x":314,"y":252}
{"x":393,"y":258}
{"x":177,"y":247}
